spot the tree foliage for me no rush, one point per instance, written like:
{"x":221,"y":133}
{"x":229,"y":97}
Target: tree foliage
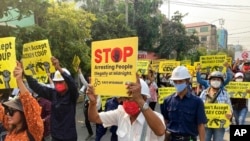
{"x":175,"y":38}
{"x":68,"y":29}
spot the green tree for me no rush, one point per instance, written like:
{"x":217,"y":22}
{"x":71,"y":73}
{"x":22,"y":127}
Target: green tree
{"x":68,"y":29}
{"x":175,"y":38}
{"x":146,"y":20}
{"x":110,"y":22}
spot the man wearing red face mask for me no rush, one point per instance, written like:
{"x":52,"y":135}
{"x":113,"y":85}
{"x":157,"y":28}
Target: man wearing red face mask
{"x":63,"y":101}
{"x":134,"y":119}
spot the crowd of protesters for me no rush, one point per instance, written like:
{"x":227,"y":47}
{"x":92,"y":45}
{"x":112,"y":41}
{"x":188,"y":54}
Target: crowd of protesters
{"x":47,"y":112}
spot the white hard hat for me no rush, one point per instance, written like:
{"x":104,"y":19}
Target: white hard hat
{"x":239,"y":74}
{"x":58,"y":76}
{"x":144,"y":88}
{"x":180,"y":73}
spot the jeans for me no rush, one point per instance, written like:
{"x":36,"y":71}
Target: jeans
{"x":216,"y":133}
{"x":240,"y":115}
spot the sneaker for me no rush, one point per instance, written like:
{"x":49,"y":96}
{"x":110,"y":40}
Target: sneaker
{"x":88,"y":137}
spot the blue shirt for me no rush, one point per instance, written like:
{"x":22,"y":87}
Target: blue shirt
{"x":183,"y":115}
{"x":206,"y":84}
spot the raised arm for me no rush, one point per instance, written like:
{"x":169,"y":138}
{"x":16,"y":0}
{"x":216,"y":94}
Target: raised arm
{"x":32,"y":110}
{"x":153,"y":121}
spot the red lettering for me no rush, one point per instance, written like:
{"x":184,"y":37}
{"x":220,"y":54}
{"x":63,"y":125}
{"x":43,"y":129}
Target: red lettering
{"x":98,"y":56}
{"x":106,"y":50}
{"x":128,"y":51}
{"x":116,"y":54}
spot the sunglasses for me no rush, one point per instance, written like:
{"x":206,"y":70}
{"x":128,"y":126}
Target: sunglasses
{"x":10,"y":111}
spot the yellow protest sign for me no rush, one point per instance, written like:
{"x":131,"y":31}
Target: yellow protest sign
{"x":191,"y":70}
{"x":185,"y":62}
{"x":165,"y":92}
{"x":113,"y":63}
{"x":168,"y":66}
{"x":212,"y":63}
{"x":238,"y":89}
{"x":196,"y":64}
{"x":216,"y":115}
{"x":36,"y":59}
{"x":7,"y":62}
{"x":194,"y":82}
{"x":104,"y":99}
{"x":142,"y":67}
{"x":76,"y":62}
{"x":155,"y":64}
{"x":229,"y":60}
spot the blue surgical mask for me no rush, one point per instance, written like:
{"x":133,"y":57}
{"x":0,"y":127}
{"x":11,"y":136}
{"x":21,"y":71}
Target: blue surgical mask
{"x":180,"y":87}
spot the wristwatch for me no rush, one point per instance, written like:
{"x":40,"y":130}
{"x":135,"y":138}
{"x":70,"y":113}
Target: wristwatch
{"x":145,"y":106}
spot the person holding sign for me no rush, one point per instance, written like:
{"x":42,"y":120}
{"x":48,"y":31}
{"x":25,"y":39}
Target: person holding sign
{"x":183,"y":112}
{"x":63,"y":100}
{"x":215,"y":94}
{"x":240,"y":108}
{"x":21,"y":116}
{"x":206,"y":84}
{"x":135,"y":120}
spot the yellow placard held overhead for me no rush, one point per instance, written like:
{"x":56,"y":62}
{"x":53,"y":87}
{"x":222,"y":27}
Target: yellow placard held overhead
{"x":7,"y":62}
{"x":216,"y":115}
{"x":37,"y":60}
{"x":168,"y":66}
{"x":212,"y":63}
{"x":155,"y":64}
{"x":76,"y":62}
{"x":113,"y":64}
{"x":238,"y":89}
{"x":142,"y":67}
{"x":165,"y":92}
{"x":185,"y":62}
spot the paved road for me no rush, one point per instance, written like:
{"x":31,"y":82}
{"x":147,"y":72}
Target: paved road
{"x":82,"y":131}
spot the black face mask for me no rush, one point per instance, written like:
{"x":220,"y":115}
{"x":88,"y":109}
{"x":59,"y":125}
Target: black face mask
{"x":246,"y":77}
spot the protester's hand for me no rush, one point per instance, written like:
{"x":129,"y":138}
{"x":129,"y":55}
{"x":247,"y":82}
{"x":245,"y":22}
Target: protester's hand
{"x":226,"y":64}
{"x":134,"y":89}
{"x":237,"y":62}
{"x":55,"y":63}
{"x":79,"y":70}
{"x":18,"y":71}
{"x":198,"y":68}
{"x":229,"y":116}
{"x":91,"y":94}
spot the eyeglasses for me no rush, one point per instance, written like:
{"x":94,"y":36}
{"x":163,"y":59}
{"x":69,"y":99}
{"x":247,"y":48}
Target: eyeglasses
{"x":10,"y":111}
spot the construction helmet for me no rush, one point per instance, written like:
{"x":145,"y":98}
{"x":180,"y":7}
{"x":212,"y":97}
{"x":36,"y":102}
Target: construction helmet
{"x":180,"y":73}
{"x":216,"y":74}
{"x":58,"y":76}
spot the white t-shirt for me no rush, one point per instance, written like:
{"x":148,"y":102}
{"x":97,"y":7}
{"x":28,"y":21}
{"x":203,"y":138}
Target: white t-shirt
{"x":127,"y":131}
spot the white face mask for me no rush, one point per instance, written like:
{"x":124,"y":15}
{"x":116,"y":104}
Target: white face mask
{"x":215,"y":83}
{"x":239,"y":79}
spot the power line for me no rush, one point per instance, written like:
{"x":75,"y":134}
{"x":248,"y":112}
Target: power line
{"x":239,"y":33}
{"x":230,"y":8}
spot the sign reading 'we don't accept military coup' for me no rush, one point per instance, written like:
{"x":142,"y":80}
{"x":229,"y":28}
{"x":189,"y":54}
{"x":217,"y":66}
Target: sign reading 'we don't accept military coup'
{"x":113,"y":63}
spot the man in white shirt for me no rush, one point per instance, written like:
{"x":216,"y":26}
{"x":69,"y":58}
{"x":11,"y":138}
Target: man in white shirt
{"x":135,"y":120}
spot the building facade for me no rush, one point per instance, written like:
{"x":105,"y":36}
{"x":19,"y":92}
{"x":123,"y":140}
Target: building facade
{"x":206,"y":32}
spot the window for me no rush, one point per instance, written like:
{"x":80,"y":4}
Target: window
{"x":203,"y":38}
{"x":191,"y":30}
{"x":204,"y":29}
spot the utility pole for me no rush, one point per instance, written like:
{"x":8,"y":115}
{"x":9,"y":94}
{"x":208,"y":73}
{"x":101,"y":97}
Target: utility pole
{"x":168,"y":9}
{"x":126,"y":11}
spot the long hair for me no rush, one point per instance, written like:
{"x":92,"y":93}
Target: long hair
{"x":24,"y":124}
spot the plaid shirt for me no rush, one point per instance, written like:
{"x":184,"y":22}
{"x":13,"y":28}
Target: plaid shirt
{"x":223,"y":97}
